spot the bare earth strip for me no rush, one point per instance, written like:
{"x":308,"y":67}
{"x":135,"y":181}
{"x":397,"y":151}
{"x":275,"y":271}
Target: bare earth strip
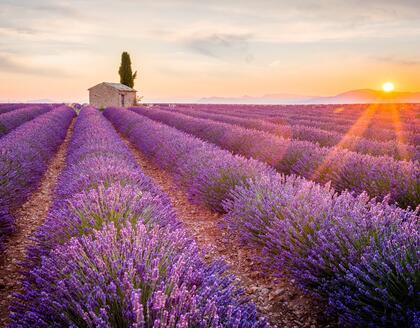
{"x":283,"y":303}
{"x":28,"y":218}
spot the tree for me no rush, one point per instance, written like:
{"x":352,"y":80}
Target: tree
{"x":126,"y":74}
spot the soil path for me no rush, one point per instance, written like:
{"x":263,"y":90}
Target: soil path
{"x":280,"y":301}
{"x":28,"y":218}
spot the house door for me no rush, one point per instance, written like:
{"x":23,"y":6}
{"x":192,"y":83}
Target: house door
{"x":123,"y":100}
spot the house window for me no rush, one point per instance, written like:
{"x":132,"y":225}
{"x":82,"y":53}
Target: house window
{"x":123,"y":100}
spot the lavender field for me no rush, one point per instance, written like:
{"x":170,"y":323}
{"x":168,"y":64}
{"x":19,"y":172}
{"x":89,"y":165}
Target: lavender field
{"x":188,"y":215}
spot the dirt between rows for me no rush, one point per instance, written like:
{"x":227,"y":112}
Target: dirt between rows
{"x":28,"y":218}
{"x":278,"y":299}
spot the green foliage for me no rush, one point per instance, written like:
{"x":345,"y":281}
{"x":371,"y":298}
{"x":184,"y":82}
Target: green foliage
{"x":126,"y":74}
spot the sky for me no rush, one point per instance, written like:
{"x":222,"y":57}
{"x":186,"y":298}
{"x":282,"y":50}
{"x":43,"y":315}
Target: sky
{"x":187,"y":49}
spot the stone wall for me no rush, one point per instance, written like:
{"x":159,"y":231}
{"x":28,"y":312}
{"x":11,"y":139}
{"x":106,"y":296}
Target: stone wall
{"x":102,"y":96}
{"x":130,"y":99}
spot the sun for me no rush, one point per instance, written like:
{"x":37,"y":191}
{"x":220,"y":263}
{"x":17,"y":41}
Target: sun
{"x":388,"y":86}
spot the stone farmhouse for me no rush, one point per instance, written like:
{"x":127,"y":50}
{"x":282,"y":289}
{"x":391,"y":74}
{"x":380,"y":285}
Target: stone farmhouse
{"x":107,"y":94}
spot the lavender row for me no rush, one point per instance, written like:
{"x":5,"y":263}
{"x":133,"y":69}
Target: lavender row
{"x":384,"y":112}
{"x":323,"y":138}
{"x":5,"y":108}
{"x":208,"y":173}
{"x":365,"y":129}
{"x":369,"y":129}
{"x":367,"y":125}
{"x":112,"y":253}
{"x":97,"y":162}
{"x":378,"y":176}
{"x":12,"y":106}
{"x":326,"y":134}
{"x":24,"y":156}
{"x":381,"y":117}
{"x":359,"y":255}
{"x":13,"y":119}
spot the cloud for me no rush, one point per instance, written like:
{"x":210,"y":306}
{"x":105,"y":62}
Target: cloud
{"x":338,"y":11}
{"x":276,"y":63}
{"x":43,"y":27}
{"x":24,"y":17}
{"x":56,"y":9}
{"x":9,"y":65}
{"x":277,"y":22}
{"x":45,"y":7}
{"x":398,"y":60}
{"x":221,"y":45}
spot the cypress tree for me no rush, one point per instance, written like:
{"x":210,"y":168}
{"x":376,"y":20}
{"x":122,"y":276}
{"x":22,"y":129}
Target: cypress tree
{"x":126,"y":74}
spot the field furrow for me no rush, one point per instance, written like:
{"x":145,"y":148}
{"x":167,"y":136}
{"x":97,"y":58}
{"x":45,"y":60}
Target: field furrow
{"x":25,"y":154}
{"x":28,"y":218}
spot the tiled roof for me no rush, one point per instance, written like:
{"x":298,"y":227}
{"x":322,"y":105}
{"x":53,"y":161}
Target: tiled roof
{"x":118,"y":86}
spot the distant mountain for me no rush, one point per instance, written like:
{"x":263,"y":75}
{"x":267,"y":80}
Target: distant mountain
{"x":349,"y":97}
{"x":40,"y":101}
{"x":368,"y":96}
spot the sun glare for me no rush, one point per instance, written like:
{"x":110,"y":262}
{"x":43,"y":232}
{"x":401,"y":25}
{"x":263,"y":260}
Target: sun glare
{"x":388,"y":86}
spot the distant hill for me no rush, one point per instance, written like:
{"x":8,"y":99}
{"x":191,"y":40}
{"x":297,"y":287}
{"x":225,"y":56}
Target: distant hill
{"x":368,"y":96}
{"x":349,"y":97}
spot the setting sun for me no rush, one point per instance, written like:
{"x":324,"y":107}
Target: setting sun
{"x":388,"y":86}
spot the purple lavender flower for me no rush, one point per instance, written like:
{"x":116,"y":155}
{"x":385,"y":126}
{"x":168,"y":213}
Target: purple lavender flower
{"x":360,"y":255}
{"x":13,"y":119}
{"x":132,"y":276}
{"x":378,"y":176}
{"x":24,"y":154}
{"x":207,"y":172}
{"x":325,"y":138}
{"x":111,"y":252}
{"x":333,"y":245}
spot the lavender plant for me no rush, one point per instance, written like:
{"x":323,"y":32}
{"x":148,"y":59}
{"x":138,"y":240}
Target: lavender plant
{"x":24,"y":155}
{"x":359,"y":255}
{"x":208,"y":173}
{"x":315,"y":135}
{"x":13,"y":119}
{"x":101,"y":183}
{"x":131,"y":278}
{"x":5,"y":108}
{"x":379,"y":123}
{"x":112,"y":254}
{"x":378,"y":176}
{"x":90,"y":210}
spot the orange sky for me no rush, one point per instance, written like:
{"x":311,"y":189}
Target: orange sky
{"x":185,"y":50}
